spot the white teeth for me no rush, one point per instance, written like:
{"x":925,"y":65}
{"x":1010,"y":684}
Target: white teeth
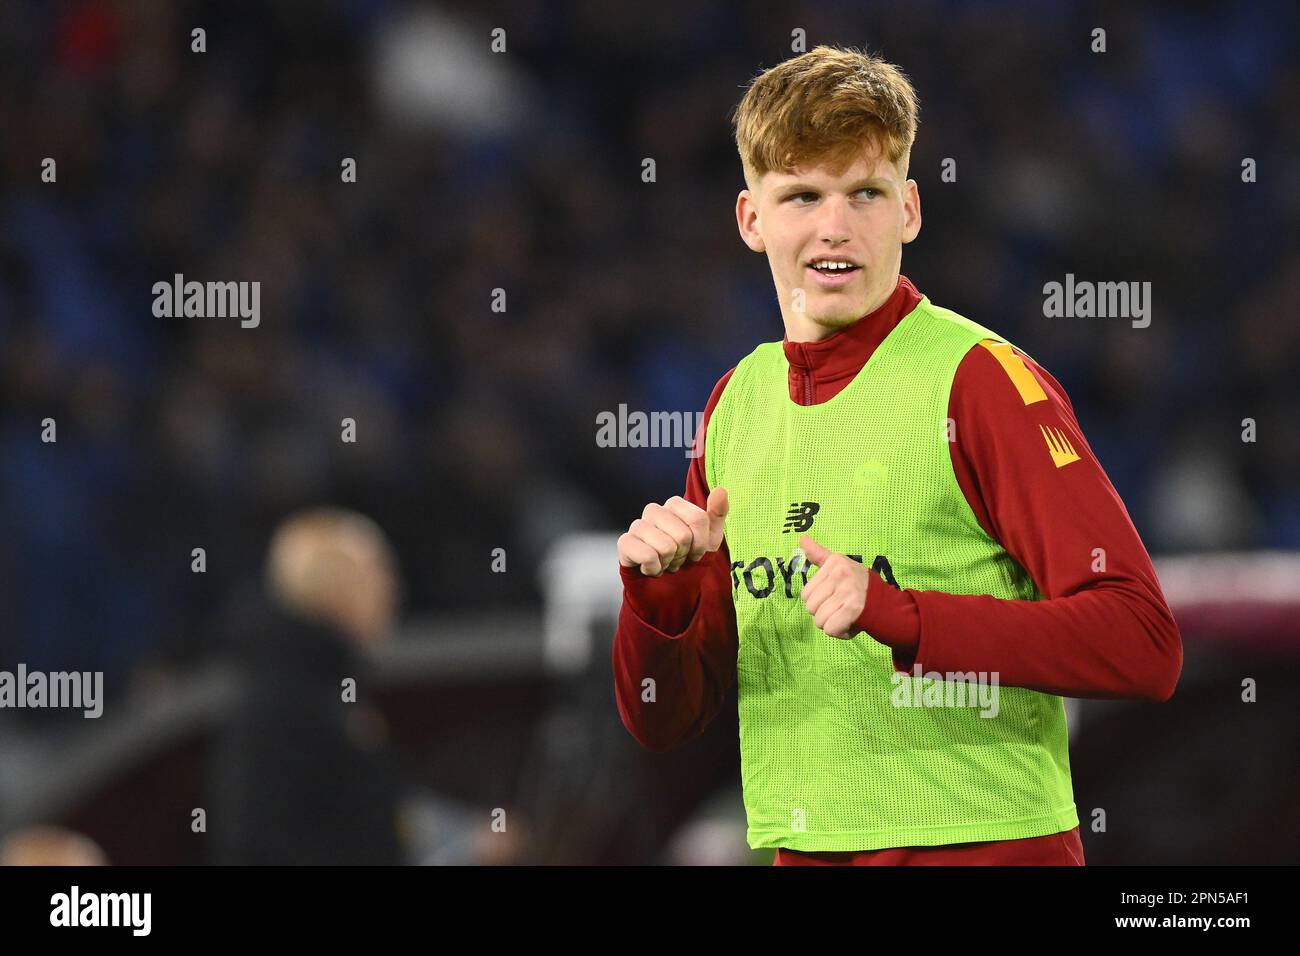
{"x":836,"y":264}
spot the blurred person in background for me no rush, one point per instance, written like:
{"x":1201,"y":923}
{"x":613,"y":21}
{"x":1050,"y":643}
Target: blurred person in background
{"x":50,"y":846}
{"x":301,"y":774}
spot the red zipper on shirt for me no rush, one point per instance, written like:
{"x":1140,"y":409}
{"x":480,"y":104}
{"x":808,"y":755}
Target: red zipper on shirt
{"x":805,"y":376}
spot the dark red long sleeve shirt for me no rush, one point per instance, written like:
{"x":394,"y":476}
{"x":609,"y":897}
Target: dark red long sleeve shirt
{"x":1103,"y":629}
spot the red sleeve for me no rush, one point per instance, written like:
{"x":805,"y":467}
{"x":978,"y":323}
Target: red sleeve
{"x":1104,"y":628}
{"x":679,"y":630}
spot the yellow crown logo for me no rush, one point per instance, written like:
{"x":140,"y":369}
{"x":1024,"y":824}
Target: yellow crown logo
{"x":1062,"y":451}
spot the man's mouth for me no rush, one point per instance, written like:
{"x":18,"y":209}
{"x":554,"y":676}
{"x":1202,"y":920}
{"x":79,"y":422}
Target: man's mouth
{"x":833,"y":273}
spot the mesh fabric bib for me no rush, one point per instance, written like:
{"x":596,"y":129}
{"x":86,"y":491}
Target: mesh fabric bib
{"x":830,"y":760}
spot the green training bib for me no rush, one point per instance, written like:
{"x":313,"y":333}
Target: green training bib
{"x":837,"y":751}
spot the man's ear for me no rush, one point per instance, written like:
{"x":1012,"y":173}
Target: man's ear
{"x":911,"y":211}
{"x":747,"y":220}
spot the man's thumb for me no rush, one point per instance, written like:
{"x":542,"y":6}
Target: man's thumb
{"x":716,"y":507}
{"x":814,"y":551}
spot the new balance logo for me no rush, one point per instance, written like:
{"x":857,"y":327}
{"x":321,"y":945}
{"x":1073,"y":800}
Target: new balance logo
{"x":800,"y":516}
{"x":1062,"y":451}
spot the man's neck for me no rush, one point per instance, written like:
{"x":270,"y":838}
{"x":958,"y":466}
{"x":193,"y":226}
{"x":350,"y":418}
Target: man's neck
{"x":800,"y":328}
{"x":818,"y":370}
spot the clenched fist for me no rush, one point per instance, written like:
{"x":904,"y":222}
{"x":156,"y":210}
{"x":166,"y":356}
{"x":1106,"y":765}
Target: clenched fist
{"x":837,"y":593}
{"x":666,"y":536}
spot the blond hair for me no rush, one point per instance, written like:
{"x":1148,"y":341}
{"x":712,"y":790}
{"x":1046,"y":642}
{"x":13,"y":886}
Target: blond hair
{"x":825,"y":106}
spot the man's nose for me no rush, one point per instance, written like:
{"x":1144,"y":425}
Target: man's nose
{"x":833,"y":223}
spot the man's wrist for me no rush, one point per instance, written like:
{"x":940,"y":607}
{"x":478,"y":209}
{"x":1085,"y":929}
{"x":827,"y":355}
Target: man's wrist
{"x":890,"y":616}
{"x":668,"y":601}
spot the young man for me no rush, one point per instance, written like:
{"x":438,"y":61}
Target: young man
{"x":936,"y":479}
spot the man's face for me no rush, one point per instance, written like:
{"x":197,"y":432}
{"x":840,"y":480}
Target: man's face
{"x":862,"y":216}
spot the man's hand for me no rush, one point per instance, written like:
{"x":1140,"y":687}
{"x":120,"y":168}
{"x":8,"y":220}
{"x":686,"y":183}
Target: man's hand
{"x":666,"y":536}
{"x":837,"y":593}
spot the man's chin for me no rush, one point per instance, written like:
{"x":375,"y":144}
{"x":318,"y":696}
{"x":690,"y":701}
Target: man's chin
{"x":835,"y":320}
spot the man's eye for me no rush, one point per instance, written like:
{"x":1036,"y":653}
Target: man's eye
{"x":871,"y":190}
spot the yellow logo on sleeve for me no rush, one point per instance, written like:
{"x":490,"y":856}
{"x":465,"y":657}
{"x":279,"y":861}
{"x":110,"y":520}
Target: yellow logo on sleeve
{"x":1023,"y":379}
{"x":1062,"y":451}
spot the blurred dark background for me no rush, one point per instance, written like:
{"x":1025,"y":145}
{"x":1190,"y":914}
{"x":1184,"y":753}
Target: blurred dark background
{"x":521,"y":170}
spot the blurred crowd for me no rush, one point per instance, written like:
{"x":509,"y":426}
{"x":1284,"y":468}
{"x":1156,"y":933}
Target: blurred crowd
{"x":521,"y":171}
